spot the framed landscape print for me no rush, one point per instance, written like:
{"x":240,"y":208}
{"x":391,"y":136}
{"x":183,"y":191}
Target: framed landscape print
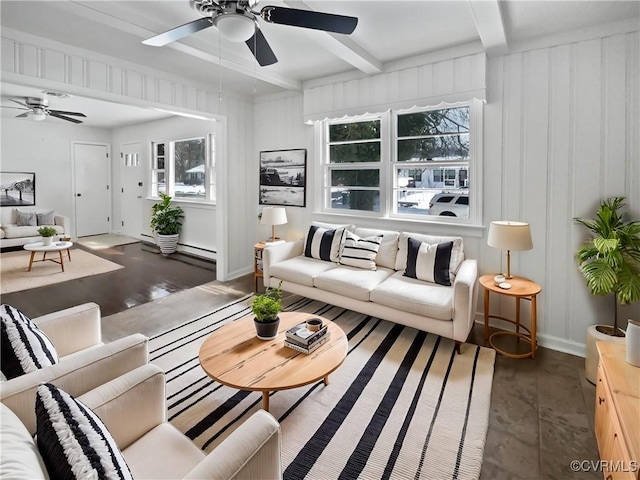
{"x":283,"y":177}
{"x":17,"y":189}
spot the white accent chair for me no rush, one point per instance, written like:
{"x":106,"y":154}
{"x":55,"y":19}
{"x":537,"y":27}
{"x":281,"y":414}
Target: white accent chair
{"x":85,"y":361}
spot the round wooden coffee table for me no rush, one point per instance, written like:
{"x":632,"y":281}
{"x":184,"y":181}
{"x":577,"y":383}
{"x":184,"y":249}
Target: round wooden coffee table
{"x":235,"y":357}
{"x":52,"y":247}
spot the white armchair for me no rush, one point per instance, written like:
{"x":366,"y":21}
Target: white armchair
{"x":85,"y":362}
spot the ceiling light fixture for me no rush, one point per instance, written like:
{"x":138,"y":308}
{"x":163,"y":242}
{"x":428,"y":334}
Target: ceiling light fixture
{"x":38,"y":114}
{"x":235,"y":26}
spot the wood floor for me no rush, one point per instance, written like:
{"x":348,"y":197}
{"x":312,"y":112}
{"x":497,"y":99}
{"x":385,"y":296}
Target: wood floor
{"x":541,"y":415}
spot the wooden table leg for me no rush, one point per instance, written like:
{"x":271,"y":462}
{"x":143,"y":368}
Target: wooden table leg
{"x":69,"y":254}
{"x":517,"y":318}
{"x":265,"y":401}
{"x":534,"y":315}
{"x":326,"y":380}
{"x":33,"y":253}
{"x":486,"y":314}
{"x":61,"y":260}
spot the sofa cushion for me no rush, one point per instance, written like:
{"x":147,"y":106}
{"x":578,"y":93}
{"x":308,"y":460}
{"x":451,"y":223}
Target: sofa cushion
{"x":415,"y":296}
{"x":174,"y":455}
{"x":300,"y":270}
{"x":457,"y":252}
{"x":323,"y":244}
{"x":19,"y":456}
{"x":14,"y":231}
{"x":429,"y":262}
{"x":24,"y":347}
{"x":46,"y":218}
{"x":388,"y":247}
{"x":360,"y":252}
{"x":73,"y":441}
{"x":1,"y":233}
{"x":352,"y":282}
{"x":24,"y":219}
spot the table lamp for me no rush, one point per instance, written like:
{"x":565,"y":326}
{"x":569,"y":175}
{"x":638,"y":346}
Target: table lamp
{"x":273,"y":216}
{"x":509,"y":236}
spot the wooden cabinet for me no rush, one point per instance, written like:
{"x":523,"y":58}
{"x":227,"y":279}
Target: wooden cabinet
{"x":617,"y":420}
{"x":258,"y":248}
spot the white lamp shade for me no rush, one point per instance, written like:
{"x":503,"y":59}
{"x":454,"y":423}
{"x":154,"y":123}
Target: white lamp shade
{"x":273,"y":216}
{"x":507,"y":235}
{"x":235,"y":26}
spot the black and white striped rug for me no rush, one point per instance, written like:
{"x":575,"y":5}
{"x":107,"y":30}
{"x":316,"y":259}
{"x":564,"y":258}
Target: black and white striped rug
{"x":402,"y":405}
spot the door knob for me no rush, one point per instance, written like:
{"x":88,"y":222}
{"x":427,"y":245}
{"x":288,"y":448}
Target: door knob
{"x":78,"y":194}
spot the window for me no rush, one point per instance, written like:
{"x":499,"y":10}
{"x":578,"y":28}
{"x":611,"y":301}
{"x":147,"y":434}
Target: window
{"x":394,"y":164}
{"x":184,"y":168}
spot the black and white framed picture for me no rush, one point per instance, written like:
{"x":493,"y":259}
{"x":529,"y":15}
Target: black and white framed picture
{"x":17,"y":189}
{"x":283,"y":177}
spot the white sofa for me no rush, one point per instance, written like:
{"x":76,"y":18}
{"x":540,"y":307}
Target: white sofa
{"x":384,"y":293}
{"x":12,"y":235}
{"x":133,"y":407}
{"x":85,"y":361}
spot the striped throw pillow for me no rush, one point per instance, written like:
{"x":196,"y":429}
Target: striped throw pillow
{"x":24,"y":347}
{"x":360,"y":252}
{"x":323,"y":243}
{"x":429,"y":262}
{"x":73,"y":441}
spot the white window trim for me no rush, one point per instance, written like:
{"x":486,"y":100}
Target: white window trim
{"x":388,"y":155}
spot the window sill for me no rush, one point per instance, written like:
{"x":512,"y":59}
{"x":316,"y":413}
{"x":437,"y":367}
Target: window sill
{"x":188,"y":202}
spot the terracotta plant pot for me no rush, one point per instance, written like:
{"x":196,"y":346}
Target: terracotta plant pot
{"x":267,"y":330}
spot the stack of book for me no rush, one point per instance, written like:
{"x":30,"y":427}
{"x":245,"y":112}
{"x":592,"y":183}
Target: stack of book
{"x":303,"y":340}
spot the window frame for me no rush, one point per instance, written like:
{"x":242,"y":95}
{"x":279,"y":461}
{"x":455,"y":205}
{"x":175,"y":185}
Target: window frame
{"x":389,"y":165}
{"x":169,"y":168}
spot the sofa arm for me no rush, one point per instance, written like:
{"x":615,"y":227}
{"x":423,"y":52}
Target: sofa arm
{"x":280,"y":252}
{"x":76,"y":375}
{"x":130,"y":405}
{"x":63,"y":222}
{"x":252,"y":451}
{"x":465,"y":297}
{"x":72,"y":329}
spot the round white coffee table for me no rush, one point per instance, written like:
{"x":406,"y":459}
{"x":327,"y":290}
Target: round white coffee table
{"x":52,"y":247}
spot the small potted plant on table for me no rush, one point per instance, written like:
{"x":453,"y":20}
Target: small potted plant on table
{"x":266,"y":308}
{"x":47,"y":234}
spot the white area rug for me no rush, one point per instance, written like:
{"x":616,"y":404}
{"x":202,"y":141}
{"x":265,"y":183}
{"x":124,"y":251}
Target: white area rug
{"x":402,"y":405}
{"x":107,"y":240}
{"x":14,"y":275}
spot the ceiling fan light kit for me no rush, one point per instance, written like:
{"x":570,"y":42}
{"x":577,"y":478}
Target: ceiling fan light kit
{"x":237,"y":21}
{"x":38,"y":109}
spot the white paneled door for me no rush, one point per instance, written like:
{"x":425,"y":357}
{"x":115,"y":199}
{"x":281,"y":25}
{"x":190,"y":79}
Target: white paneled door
{"x":132,"y":191}
{"x":92,"y":190}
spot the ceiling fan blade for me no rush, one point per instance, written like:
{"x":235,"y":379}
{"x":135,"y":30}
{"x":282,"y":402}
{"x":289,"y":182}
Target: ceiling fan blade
{"x":328,"y":22}
{"x":261,"y":50}
{"x":62,"y":112}
{"x":19,"y":103}
{"x":62,"y":117}
{"x":22,"y":115}
{"x":179,"y":32}
{"x":14,"y":108}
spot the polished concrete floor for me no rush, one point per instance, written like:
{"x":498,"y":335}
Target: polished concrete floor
{"x":541,"y":416}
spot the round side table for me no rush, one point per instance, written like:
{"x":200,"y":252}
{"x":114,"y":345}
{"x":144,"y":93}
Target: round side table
{"x":521,"y":288}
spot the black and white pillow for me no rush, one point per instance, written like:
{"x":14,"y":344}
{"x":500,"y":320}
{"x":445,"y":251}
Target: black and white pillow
{"x":323,"y":243}
{"x":73,"y":441}
{"x":360,"y":252}
{"x":429,"y":262}
{"x":24,"y":347}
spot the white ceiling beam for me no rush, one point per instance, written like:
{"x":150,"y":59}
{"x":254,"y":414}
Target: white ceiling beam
{"x":343,"y":47}
{"x":264,"y":75}
{"x":488,"y":20}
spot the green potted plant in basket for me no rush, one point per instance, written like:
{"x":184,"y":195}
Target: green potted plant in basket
{"x":610,"y":264}
{"x":47,"y":234}
{"x":265,"y":309}
{"x":166,"y":223}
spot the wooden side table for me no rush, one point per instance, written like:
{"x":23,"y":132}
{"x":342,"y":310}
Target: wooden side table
{"x":521,"y":288}
{"x":258,"y":248}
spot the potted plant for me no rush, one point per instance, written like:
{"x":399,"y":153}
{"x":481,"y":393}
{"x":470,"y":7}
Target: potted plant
{"x":47,"y":234}
{"x":265,"y":309}
{"x":610,"y":264}
{"x":166,"y":223}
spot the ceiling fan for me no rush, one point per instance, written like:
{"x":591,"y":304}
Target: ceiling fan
{"x":38,"y":109}
{"x":237,"y":21}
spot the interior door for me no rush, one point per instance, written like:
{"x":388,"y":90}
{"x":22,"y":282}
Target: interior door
{"x":92,"y":192}
{"x":132,"y":192}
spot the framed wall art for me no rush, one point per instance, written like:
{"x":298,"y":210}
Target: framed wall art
{"x":283,"y":177}
{"x":17,"y":189}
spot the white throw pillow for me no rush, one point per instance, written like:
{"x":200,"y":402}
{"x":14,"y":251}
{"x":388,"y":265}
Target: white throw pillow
{"x":323,"y":244}
{"x":360,"y":252}
{"x":429,"y":262}
{"x":457,"y":252}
